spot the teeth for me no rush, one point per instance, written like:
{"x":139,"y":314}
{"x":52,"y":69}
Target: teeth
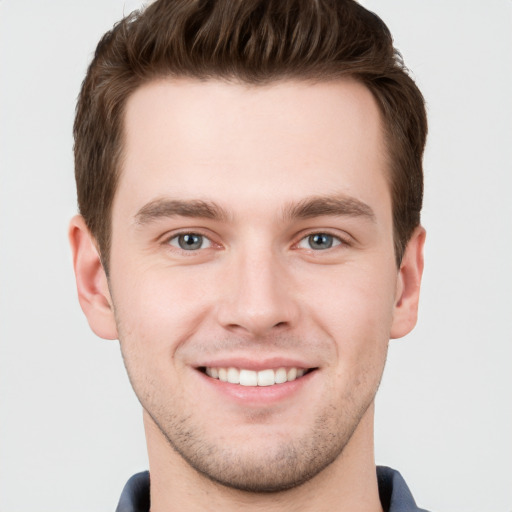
{"x":281,"y":376}
{"x":252,"y":378}
{"x":266,"y":378}
{"x":233,"y":376}
{"x":223,"y":374}
{"x":248,"y":378}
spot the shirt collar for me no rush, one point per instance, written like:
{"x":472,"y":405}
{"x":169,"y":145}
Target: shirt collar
{"x":394,"y":494}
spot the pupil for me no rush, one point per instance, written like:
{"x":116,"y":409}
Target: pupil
{"x":320,"y":241}
{"x":188,"y":242}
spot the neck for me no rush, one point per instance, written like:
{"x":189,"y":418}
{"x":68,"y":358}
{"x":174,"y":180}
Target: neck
{"x":349,"y":483}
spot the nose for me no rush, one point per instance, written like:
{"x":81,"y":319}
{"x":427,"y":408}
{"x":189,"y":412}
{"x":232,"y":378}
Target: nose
{"x":257,"y":296}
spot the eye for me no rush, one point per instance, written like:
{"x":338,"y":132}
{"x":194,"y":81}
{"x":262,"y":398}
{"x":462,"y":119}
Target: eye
{"x":319,"y":241}
{"x":190,"y":241}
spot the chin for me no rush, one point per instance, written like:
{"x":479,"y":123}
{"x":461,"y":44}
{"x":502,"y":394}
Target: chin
{"x":275,"y":464}
{"x":287,"y":468}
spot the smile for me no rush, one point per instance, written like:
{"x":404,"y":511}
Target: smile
{"x":268,"y":377}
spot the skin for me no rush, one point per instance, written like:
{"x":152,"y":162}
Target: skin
{"x":256,"y":293}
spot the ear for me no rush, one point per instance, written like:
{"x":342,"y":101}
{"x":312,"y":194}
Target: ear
{"x":408,"y":286}
{"x":91,"y":280}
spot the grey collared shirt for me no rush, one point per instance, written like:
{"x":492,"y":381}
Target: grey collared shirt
{"x":394,"y":494}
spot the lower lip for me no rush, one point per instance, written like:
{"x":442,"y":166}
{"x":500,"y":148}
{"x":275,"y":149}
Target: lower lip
{"x":258,"y":395}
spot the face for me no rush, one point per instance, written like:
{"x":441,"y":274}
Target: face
{"x":253,"y":276}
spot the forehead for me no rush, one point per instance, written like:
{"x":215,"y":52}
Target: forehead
{"x":197,"y":139}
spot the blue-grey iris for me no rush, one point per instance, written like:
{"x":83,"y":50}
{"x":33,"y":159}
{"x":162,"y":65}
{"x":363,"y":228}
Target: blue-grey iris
{"x":190,"y":241}
{"x":320,"y":241}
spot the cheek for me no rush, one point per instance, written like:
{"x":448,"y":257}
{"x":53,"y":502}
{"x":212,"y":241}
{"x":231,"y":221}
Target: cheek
{"x":358,"y":318}
{"x":356,"y":310}
{"x":155,"y":313}
{"x":359,"y":290}
{"x":160,"y":307}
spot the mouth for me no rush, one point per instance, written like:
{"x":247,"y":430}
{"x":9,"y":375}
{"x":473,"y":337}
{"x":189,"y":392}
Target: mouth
{"x":252,"y":378}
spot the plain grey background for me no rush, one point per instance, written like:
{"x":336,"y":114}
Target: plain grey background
{"x":70,"y":426}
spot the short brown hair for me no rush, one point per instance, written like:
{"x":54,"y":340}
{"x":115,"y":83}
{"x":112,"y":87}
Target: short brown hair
{"x":256,"y":42}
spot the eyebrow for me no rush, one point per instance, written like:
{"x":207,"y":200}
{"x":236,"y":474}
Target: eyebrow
{"x":162,"y":208}
{"x":315,"y":206}
{"x":318,"y":206}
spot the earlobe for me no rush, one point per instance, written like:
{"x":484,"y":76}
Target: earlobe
{"x":408,"y":286}
{"x":91,"y":280}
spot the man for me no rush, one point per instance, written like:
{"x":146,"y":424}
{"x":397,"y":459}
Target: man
{"x":250,"y":183}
